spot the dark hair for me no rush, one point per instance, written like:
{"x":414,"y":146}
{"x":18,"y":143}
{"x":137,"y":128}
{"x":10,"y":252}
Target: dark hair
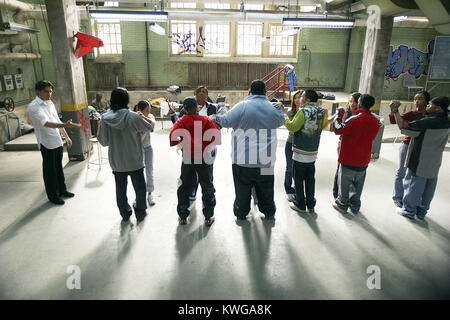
{"x":356,"y":96}
{"x":258,"y":87}
{"x":200,"y":88}
{"x":119,"y":99}
{"x":142,"y":105}
{"x":366,"y":101}
{"x":41,"y":85}
{"x":311,"y":95}
{"x":293,"y":107}
{"x":425,"y":94}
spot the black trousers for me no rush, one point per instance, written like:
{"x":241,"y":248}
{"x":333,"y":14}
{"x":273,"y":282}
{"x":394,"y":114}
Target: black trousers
{"x":335,"y":184}
{"x":244,"y":179}
{"x":138,"y":181}
{"x":304,"y":184}
{"x":188,"y":181}
{"x":52,"y":171}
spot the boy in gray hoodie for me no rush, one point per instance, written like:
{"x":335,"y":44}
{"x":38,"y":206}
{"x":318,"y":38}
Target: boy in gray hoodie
{"x":120,"y":129}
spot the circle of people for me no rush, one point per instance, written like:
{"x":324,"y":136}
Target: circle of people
{"x":254,"y":120}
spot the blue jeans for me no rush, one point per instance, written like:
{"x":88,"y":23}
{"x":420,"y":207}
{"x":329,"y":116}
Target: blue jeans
{"x":418,"y":194}
{"x":401,"y":171}
{"x":351,"y":183}
{"x":288,"y":173}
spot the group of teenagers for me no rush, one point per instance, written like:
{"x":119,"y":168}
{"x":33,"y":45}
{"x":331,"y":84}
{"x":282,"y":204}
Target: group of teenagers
{"x":196,"y":131}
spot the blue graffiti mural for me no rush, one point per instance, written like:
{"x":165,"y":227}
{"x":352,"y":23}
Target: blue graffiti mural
{"x":410,"y":60}
{"x":186,"y":43}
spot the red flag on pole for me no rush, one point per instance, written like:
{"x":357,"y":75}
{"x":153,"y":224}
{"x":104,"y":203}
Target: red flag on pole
{"x":85,"y":43}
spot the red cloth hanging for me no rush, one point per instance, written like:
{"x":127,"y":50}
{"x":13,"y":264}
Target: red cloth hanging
{"x":85,"y":43}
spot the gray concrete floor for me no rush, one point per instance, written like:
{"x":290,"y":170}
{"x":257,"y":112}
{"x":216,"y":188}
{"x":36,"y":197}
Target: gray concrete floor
{"x":297,"y":256}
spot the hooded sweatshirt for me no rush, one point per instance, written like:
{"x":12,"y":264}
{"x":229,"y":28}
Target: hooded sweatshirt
{"x":121,"y":131}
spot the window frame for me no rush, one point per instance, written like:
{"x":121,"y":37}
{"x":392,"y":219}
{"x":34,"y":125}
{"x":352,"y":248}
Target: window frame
{"x":98,"y":50}
{"x":211,"y":22}
{"x":171,"y":44}
{"x":294,"y":42}
{"x":261,"y":53}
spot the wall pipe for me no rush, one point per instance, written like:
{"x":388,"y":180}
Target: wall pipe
{"x":20,"y":55}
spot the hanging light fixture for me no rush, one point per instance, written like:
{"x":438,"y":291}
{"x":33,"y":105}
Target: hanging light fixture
{"x":129,"y":15}
{"x":156,"y":28}
{"x":318,"y":22}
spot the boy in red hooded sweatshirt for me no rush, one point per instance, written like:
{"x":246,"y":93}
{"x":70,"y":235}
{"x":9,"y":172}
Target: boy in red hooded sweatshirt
{"x":197,"y":136}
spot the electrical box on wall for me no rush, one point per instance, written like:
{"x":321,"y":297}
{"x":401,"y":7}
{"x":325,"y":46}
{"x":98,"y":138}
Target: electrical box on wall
{"x":9,"y":83}
{"x":18,"y":81}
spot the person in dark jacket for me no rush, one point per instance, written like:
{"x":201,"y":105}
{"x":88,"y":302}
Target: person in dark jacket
{"x":423,"y":160}
{"x":421,"y":100}
{"x":358,"y":133}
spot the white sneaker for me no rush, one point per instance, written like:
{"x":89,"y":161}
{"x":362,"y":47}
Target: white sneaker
{"x":150,"y":200}
{"x":290,"y":197}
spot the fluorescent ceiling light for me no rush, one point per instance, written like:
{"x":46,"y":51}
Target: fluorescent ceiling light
{"x":156,"y":28}
{"x":400,"y":18}
{"x":318,"y":23}
{"x":129,"y":15}
{"x":17,"y":27}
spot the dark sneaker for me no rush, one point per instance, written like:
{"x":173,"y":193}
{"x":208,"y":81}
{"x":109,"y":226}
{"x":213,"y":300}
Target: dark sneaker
{"x":420,"y":217}
{"x":57,"y":201}
{"x":241,"y":218}
{"x":294,"y":207}
{"x":125,"y":219}
{"x":271,"y":217}
{"x":311,"y":210}
{"x":182,"y":221}
{"x":338,"y":208}
{"x":67,"y":194}
{"x":354,"y":211}
{"x":209,"y":221}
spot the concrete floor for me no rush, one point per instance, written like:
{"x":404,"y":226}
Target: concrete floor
{"x":297,"y":256}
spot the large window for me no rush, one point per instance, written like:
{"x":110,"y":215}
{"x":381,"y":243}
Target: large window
{"x":111,"y":4}
{"x":183,"y":4}
{"x":249,"y":38}
{"x":217,"y":38}
{"x":253,"y":6}
{"x":110,"y":35}
{"x":217,"y":5}
{"x":281,"y":44}
{"x":184,"y":37}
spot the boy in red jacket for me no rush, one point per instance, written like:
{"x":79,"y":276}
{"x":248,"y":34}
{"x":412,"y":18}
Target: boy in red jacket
{"x":358,"y":133}
{"x":197,"y":136}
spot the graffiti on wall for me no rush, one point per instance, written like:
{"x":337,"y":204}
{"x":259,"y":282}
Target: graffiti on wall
{"x":187,"y":44}
{"x":411,"y":60}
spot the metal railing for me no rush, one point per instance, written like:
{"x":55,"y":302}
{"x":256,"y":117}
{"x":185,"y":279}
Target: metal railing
{"x":278,"y":85}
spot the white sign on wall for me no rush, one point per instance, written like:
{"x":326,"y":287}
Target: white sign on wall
{"x":9,"y":84}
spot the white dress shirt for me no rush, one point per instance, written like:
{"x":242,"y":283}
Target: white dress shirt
{"x":41,"y":112}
